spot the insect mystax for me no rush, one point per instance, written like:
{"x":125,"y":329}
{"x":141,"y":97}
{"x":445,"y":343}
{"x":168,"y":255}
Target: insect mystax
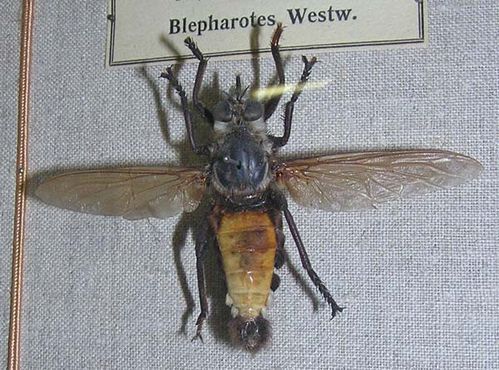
{"x":247,"y":186}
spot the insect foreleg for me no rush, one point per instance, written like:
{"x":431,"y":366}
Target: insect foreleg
{"x":201,"y":248}
{"x":196,"y":148}
{"x":288,"y":113}
{"x":199,"y":80}
{"x":272,"y":103}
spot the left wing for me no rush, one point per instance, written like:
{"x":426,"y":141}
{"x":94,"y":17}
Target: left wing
{"x":133,"y":193}
{"x":354,"y":181}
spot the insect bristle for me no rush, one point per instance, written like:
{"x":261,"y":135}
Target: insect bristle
{"x":251,"y":334}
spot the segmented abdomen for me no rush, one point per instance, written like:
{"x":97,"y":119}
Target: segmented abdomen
{"x":247,"y":242}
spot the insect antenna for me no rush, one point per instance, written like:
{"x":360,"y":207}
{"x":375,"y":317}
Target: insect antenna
{"x":244,"y":92}
{"x":239,"y":93}
{"x":238,"y":87}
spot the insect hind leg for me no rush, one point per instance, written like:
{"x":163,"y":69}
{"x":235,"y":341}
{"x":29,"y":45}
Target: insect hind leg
{"x":276,"y":282}
{"x":280,"y":201}
{"x":202,"y":244}
{"x":307,"y":265}
{"x":280,"y":255}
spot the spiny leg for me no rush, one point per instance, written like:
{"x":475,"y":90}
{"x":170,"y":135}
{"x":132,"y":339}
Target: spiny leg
{"x":279,"y":201}
{"x":201,"y":248}
{"x":308,"y":266}
{"x":196,"y":148}
{"x":288,"y":113}
{"x":280,"y":255}
{"x":199,"y":79}
{"x":272,"y":103}
{"x":275,"y":283}
{"x":280,"y":258}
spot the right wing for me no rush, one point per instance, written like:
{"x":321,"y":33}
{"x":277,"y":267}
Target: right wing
{"x":345,"y":182}
{"x":133,"y":193}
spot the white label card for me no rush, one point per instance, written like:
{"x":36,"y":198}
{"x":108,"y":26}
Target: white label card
{"x":154,"y":30}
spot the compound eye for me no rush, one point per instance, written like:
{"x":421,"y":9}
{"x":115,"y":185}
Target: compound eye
{"x":222,"y":111}
{"x":253,"y":110}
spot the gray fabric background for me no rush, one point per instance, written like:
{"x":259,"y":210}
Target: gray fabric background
{"x":419,"y":278}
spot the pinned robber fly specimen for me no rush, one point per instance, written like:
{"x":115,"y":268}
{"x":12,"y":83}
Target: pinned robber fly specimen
{"x":246,"y":184}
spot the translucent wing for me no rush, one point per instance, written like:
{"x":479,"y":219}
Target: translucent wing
{"x":361,"y":180}
{"x":133,"y":193}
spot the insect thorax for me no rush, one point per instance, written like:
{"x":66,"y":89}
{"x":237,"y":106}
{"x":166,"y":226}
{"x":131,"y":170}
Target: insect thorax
{"x":240,"y":161}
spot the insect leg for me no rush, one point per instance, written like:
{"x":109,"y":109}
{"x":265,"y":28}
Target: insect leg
{"x":196,"y":148}
{"x":201,"y":248}
{"x":279,"y":260}
{"x":279,"y":201}
{"x":305,"y":261}
{"x":272,"y":103}
{"x":288,"y":113}
{"x":280,"y":256}
{"x":199,"y":80}
{"x":275,"y":283}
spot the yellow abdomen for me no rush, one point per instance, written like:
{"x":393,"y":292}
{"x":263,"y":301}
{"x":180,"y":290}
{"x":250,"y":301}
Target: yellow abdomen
{"x":247,"y":242}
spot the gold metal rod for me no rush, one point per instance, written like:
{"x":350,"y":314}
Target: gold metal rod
{"x":20,"y":196}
